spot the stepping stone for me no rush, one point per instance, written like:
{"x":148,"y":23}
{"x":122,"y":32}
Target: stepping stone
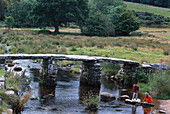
{"x":2,"y":85}
{"x":2,"y":79}
{"x":105,"y":96}
{"x":10,"y":92}
{"x":123,"y":97}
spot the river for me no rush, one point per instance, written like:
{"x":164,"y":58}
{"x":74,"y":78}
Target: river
{"x":68,"y":94}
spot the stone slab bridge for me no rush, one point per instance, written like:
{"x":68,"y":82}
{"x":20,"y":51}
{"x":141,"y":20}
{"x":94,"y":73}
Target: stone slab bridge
{"x":90,"y":68}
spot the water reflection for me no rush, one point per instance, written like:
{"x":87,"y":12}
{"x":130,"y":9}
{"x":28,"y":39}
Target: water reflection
{"x":46,"y":94}
{"x":86,"y":91}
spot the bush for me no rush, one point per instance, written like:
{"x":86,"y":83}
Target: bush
{"x":91,"y":103}
{"x":141,"y":76}
{"x":95,"y":25}
{"x":160,"y":84}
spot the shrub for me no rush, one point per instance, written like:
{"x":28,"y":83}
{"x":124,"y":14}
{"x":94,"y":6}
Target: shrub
{"x":141,"y":76}
{"x":159,"y":83}
{"x":91,"y":102}
{"x":9,"y":21}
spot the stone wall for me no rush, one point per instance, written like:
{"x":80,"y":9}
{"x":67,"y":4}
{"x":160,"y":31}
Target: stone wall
{"x":90,"y":73}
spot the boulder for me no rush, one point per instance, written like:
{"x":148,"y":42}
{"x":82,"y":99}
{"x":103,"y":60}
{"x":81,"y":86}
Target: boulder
{"x":2,"y":85}
{"x":9,"y":111}
{"x":2,"y":79}
{"x":162,"y":112}
{"x":10,"y":92}
{"x":105,"y":96}
{"x":128,"y":101}
{"x":123,"y":97}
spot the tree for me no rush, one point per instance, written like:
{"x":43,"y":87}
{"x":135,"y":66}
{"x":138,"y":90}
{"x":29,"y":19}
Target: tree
{"x":57,"y":12}
{"x":9,"y":21}
{"x":20,"y":10}
{"x":125,"y":22}
{"x":114,"y":19}
{"x":3,"y":7}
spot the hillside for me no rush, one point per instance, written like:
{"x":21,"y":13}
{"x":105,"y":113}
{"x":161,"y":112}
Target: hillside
{"x":147,"y":8}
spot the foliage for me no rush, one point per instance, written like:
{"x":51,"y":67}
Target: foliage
{"x":109,"y":18}
{"x":96,"y":24}
{"x":91,"y":102}
{"x":9,"y":21}
{"x":125,"y":22}
{"x":160,"y":3}
{"x":159,"y":83}
{"x":3,"y":7}
{"x":57,"y":12}
{"x":2,"y":72}
{"x":146,"y":18}
{"x":147,"y":8}
{"x":12,"y":82}
{"x":141,"y":76}
{"x":20,"y":10}
{"x":143,"y":87}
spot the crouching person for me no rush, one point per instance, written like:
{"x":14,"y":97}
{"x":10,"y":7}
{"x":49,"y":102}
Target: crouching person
{"x":148,"y":98}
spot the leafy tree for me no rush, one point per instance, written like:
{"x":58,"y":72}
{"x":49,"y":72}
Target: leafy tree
{"x":20,"y":11}
{"x":115,"y":19}
{"x":9,"y":21}
{"x":95,"y":25}
{"x":125,"y":22}
{"x":57,"y":12}
{"x":3,"y":7}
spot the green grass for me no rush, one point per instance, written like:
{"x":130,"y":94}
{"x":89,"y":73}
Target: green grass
{"x":2,"y":72}
{"x":168,"y":37}
{"x":147,"y":8}
{"x":136,"y":48}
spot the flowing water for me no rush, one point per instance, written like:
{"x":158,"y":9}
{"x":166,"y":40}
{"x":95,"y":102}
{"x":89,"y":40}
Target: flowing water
{"x":68,"y":95}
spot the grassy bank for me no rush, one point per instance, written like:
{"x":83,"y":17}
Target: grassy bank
{"x":137,"y":48}
{"x":147,"y":8}
{"x":13,"y":101}
{"x":158,"y":85}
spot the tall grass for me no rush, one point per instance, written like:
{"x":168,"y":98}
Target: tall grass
{"x":159,"y":83}
{"x":135,"y":48}
{"x":148,"y":8}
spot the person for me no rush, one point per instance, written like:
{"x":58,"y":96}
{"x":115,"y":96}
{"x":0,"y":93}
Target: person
{"x":148,"y":98}
{"x":135,"y":91}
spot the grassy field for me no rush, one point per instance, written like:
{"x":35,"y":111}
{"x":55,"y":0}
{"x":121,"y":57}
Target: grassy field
{"x":147,"y":8}
{"x":2,"y":72}
{"x":70,"y":41}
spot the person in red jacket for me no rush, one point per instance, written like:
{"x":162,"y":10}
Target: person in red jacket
{"x":148,"y":98}
{"x":135,"y":91}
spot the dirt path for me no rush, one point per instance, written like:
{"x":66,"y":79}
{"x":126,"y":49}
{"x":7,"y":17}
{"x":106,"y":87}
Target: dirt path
{"x":165,"y":105}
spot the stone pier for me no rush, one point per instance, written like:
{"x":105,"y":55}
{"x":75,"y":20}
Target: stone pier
{"x":49,"y":71}
{"x":90,"y":73}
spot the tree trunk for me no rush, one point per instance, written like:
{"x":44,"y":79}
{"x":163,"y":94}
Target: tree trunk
{"x":56,"y":29}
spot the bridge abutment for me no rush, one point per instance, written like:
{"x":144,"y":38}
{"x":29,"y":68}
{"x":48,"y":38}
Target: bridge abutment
{"x":49,"y":71}
{"x":90,"y":73}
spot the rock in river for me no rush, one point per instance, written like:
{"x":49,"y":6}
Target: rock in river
{"x":107,"y":96}
{"x":123,"y":97}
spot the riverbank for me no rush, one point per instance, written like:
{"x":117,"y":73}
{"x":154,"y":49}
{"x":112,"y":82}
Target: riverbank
{"x":165,"y":105}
